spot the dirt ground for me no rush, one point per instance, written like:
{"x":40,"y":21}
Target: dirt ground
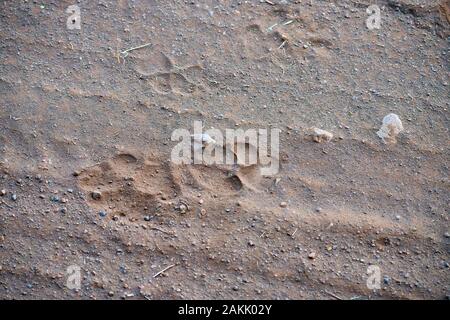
{"x":78,"y":117}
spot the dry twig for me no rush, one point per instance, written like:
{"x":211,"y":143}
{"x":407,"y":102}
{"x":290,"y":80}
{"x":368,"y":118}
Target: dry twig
{"x":164,"y":270}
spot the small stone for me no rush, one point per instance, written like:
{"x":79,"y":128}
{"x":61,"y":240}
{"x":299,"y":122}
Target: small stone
{"x":319,"y":135}
{"x":63,"y":210}
{"x":235,"y":288}
{"x":318,"y":209}
{"x":447,"y":235}
{"x":111,"y":294}
{"x":203,"y":139}
{"x":13,"y":197}
{"x":147,"y":218}
{"x":2,"y":192}
{"x":391,"y":127}
{"x":312,"y":255}
{"x":54,"y":198}
{"x":283,"y":204}
{"x":96,"y":195}
{"x":76,"y":173}
{"x":183,"y":208}
{"x":250,"y":243}
{"x":386,"y":280}
{"x":102,"y":213}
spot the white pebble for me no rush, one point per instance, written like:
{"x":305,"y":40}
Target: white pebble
{"x":392,"y":126}
{"x":320,"y":135}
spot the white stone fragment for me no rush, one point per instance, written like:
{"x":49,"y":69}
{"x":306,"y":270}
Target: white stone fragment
{"x":203,"y":138}
{"x":320,"y":135}
{"x":391,"y":127}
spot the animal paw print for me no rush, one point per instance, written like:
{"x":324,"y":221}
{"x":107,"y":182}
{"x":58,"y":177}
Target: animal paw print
{"x":182,"y":80}
{"x":128,"y":184}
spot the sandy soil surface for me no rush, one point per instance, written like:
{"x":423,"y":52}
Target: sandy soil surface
{"x":76,"y":117}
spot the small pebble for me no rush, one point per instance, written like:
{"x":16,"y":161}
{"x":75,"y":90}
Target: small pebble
{"x":13,"y":197}
{"x":102,"y":213}
{"x":183,"y":208}
{"x":283,"y":204}
{"x":392,"y":126}
{"x":312,"y":255}
{"x":319,"y":135}
{"x":96,"y":195}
